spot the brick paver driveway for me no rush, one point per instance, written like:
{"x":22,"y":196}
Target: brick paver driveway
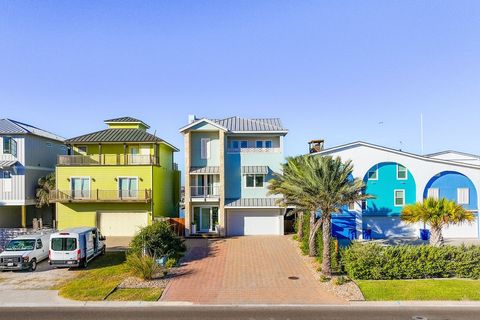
{"x":246,"y":270}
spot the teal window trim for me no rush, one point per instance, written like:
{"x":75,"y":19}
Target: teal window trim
{"x":402,"y":198}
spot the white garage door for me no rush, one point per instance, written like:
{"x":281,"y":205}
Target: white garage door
{"x":464,"y":230}
{"x":254,"y":222}
{"x":121,"y":224}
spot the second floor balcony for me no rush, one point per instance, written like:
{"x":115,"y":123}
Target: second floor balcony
{"x":107,"y":160}
{"x":99,"y":195}
{"x":205,"y":192}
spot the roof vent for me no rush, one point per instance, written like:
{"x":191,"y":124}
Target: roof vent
{"x":315,"y":146}
{"x":191,"y":118}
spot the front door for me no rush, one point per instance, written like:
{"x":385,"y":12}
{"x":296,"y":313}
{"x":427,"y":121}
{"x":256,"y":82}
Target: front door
{"x":205,"y":220}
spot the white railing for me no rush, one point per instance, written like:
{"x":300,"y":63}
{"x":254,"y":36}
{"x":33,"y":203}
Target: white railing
{"x":107,"y":159}
{"x":204,"y":191}
{"x":7,"y":157}
{"x":252,"y":150}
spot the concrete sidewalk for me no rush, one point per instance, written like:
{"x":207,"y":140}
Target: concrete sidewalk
{"x":50,"y":298}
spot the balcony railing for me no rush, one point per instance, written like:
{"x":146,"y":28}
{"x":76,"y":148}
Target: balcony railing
{"x":107,"y":160}
{"x":98,"y":195}
{"x":204,"y":191}
{"x":253,"y":150}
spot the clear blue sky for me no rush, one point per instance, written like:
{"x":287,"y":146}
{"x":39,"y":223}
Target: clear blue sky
{"x":330,"y":69}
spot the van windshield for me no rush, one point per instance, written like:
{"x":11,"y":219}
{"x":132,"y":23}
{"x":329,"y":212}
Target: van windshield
{"x":20,"y":245}
{"x":64,"y":244}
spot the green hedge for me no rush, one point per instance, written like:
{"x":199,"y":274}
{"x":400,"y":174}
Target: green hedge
{"x":376,"y":262}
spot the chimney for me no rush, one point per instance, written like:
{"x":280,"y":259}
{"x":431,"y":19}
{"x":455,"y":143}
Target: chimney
{"x":315,"y":146}
{"x":191,"y":118}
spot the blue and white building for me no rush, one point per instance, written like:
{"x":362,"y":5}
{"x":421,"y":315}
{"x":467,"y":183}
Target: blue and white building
{"x":27,"y":153}
{"x":228,"y":163}
{"x":397,"y":178}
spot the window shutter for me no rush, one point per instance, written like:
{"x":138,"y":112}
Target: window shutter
{"x":463,"y":196}
{"x":433,"y":193}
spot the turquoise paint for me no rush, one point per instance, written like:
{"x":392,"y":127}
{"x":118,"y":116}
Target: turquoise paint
{"x":196,"y":138}
{"x":383,"y":190}
{"x":235,"y":182}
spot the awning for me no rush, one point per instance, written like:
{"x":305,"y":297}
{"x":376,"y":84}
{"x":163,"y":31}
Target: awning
{"x":7,"y":163}
{"x":251,"y":202}
{"x":254,"y":170}
{"x":205,"y":170}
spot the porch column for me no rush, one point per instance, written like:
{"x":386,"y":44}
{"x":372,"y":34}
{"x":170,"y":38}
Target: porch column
{"x":24,"y":216}
{"x":100,"y":153}
{"x":221,"y":209}
{"x":188,"y":209}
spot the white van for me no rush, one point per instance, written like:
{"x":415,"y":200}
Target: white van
{"x":25,"y":252}
{"x":75,"y":247}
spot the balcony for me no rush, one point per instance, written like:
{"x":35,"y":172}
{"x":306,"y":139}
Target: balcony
{"x":108,"y":160}
{"x":97,"y":195}
{"x":254,"y":150}
{"x":204,"y":193}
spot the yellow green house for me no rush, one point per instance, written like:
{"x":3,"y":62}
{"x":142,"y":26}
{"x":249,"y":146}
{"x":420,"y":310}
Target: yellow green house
{"x":118,"y":179}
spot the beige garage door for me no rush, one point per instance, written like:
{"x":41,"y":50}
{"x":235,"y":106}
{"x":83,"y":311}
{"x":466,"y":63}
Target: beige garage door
{"x":121,"y":224}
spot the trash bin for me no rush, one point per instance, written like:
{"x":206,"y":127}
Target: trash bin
{"x":367,"y":234}
{"x":424,"y":234}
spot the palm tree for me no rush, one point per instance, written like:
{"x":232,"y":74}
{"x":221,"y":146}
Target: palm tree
{"x":437,"y":213}
{"x":45,"y":185}
{"x":319,"y":184}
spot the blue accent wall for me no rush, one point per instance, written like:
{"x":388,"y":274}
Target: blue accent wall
{"x":383,"y":190}
{"x":448,"y":182}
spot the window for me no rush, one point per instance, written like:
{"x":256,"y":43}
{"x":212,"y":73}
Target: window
{"x":401,"y":172}
{"x":433,"y":193}
{"x":49,"y":144}
{"x":63,"y":244}
{"x":205,"y":148}
{"x":20,"y":245}
{"x":39,"y":244}
{"x":6,"y":175}
{"x":259,"y":144}
{"x":463,"y":196}
{"x":373,"y":173}
{"x":268,"y":144}
{"x":263,"y":144}
{"x":235,"y":144}
{"x":80,"y":187}
{"x":244,"y":144}
{"x":128,"y":187}
{"x":82,"y":149}
{"x":255,"y":180}
{"x":399,"y":198}
{"x":351,"y":206}
{"x":10,"y":146}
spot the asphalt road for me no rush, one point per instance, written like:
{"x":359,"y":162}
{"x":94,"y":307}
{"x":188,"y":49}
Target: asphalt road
{"x":250,"y":313}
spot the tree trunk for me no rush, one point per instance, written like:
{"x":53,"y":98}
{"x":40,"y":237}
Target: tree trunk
{"x":436,"y":237}
{"x":312,"y":248}
{"x":300,"y":226}
{"x":327,"y":234}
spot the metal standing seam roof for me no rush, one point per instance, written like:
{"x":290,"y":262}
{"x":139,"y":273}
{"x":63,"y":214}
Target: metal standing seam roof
{"x":237,"y":124}
{"x":205,"y":170}
{"x":126,"y":120}
{"x":251,"y":202}
{"x":9,"y":126}
{"x":116,"y":135}
{"x":254,"y":170}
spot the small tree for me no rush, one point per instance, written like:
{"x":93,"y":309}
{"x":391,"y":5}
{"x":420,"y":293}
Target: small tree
{"x":158,"y":239}
{"x":45,"y":186}
{"x":437,"y":214}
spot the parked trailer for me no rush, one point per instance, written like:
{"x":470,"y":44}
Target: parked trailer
{"x":75,"y":247}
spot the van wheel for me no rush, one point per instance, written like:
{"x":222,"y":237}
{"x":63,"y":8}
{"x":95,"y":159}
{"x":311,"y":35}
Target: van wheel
{"x":84,"y":263}
{"x":103,"y":251}
{"x":33,"y":265}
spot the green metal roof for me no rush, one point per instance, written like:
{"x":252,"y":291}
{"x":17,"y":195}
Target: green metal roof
{"x":116,"y":136}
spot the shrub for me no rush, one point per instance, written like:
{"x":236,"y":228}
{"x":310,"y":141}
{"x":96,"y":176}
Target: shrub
{"x":375,"y":262}
{"x":158,"y":240}
{"x":142,"y":266}
{"x":171,"y":262}
{"x":338,"y":281}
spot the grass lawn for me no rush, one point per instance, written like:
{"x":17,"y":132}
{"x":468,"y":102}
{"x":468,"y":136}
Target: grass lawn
{"x":442,"y":289}
{"x":147,"y":294}
{"x":100,"y":278}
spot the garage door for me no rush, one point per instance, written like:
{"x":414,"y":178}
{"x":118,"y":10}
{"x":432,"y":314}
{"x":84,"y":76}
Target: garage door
{"x":257,"y":222}
{"x":464,"y":230}
{"x":121,"y":224}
